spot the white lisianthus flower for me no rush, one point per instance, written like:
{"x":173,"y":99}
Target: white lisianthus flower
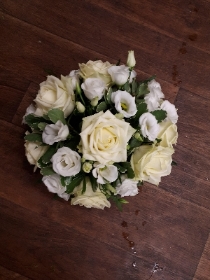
{"x":34,"y":151}
{"x":105,"y":173}
{"x":105,"y":138}
{"x":74,"y":75}
{"x":89,"y":198}
{"x":128,"y":187}
{"x":149,"y":126}
{"x":131,"y":62}
{"x":171,"y":111}
{"x":150,"y":163}
{"x":168,"y":134}
{"x":132,"y":76}
{"x":124,"y":103}
{"x":66,"y":162}
{"x":55,"y":93}
{"x":30,"y":110}
{"x":53,"y":183}
{"x":119,"y":74}
{"x":55,"y":132}
{"x":93,"y":87}
{"x":154,"y":97}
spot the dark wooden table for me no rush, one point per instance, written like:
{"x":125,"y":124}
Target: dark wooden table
{"x":42,"y":238}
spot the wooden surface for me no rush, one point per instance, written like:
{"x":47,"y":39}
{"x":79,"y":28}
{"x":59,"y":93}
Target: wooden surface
{"x":42,"y":238}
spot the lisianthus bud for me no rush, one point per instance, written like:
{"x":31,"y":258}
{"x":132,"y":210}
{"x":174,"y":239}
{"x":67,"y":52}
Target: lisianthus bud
{"x":80,"y":107}
{"x":137,"y":135}
{"x":87,"y":166}
{"x":131,"y":62}
{"x":94,"y":101}
{"x":119,"y":116}
{"x":110,"y":188}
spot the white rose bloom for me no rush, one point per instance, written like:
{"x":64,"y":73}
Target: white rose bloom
{"x":171,"y":111}
{"x":90,"y":198}
{"x":30,"y":110}
{"x":74,"y":75}
{"x":149,"y":126}
{"x":153,"y":98}
{"x":55,"y":93}
{"x":34,"y":151}
{"x":105,"y":138}
{"x":66,"y":162}
{"x":150,"y":163}
{"x":124,"y":103}
{"x":93,"y":87}
{"x":105,"y":173}
{"x":55,"y":133}
{"x":127,"y":188}
{"x":168,"y":134}
{"x":119,"y":74}
{"x":53,"y":183}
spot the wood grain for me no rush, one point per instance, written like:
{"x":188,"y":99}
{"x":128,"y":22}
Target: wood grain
{"x":163,"y":232}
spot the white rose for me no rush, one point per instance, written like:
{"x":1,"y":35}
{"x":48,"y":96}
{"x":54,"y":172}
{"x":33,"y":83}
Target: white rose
{"x":53,"y":183}
{"x":105,"y":138}
{"x":55,"y":93}
{"x":96,"y":69}
{"x":171,"y":111}
{"x":153,"y":98}
{"x":34,"y":151}
{"x":55,"y":133}
{"x":105,"y":173}
{"x":119,"y":74}
{"x":168,"y":134}
{"x":128,"y":187}
{"x":93,"y":87}
{"x":149,"y":126}
{"x":74,"y":75}
{"x":124,"y":103}
{"x":66,"y":162}
{"x":30,"y":110}
{"x":131,"y":62}
{"x":150,"y":163}
{"x":90,"y":198}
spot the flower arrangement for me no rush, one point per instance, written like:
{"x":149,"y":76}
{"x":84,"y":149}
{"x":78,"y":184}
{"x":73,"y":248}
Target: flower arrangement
{"x":98,"y":133}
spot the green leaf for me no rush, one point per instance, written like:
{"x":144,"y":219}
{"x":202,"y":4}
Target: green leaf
{"x":33,"y":121}
{"x":56,"y":115}
{"x":142,"y":90}
{"x":66,"y":180}
{"x":141,"y":109}
{"x":42,"y":125}
{"x":48,"y":154}
{"x":84,"y":186}
{"x":101,"y":106}
{"x":118,"y":201}
{"x":94,"y":183}
{"x":34,"y":137}
{"x":107,"y":96}
{"x":133,"y":87}
{"x":126,"y":87}
{"x":76,"y":180}
{"x":130,"y":172}
{"x":47,"y":171}
{"x":120,"y":168}
{"x":134,"y":143}
{"x":160,"y":115}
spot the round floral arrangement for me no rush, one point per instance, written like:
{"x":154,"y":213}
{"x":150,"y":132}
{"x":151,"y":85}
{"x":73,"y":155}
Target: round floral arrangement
{"x":98,"y":133}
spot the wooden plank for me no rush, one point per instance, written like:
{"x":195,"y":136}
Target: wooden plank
{"x":203,"y":269}
{"x":149,"y":59}
{"x":6,"y":274}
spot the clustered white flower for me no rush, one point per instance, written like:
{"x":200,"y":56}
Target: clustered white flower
{"x":96,"y":106}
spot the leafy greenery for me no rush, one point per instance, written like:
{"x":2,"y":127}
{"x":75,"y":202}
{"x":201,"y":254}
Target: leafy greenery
{"x":118,"y":201}
{"x":56,"y":115}
{"x":160,"y":115}
{"x":74,"y":182}
{"x":47,"y":171}
{"x":34,"y":137}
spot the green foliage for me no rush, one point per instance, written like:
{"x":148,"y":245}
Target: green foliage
{"x":93,"y":182}
{"x":74,"y":181}
{"x":56,"y":115}
{"x":101,"y":107}
{"x":160,"y":115}
{"x":118,"y":201}
{"x":130,"y":172}
{"x":45,"y":159}
{"x":34,"y":137}
{"x":47,"y":171}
